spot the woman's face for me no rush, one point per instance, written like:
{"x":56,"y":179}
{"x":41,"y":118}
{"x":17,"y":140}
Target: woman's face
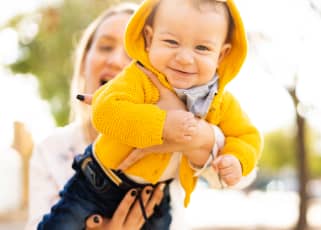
{"x":106,"y":56}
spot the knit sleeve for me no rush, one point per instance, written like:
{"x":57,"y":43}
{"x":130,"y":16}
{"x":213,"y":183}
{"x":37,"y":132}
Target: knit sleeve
{"x":123,"y":110}
{"x":242,"y":138}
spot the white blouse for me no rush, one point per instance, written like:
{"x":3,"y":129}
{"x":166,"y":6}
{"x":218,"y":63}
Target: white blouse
{"x":50,"y":168}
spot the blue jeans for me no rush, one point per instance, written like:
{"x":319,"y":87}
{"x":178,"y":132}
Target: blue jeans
{"x":83,"y":196}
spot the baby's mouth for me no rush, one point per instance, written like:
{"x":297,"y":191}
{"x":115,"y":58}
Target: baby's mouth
{"x":183,"y":72}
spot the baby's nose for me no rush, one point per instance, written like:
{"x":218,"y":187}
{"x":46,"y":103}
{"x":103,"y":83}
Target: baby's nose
{"x":185,"y":57}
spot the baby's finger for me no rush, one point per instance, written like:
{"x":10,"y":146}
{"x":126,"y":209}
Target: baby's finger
{"x":226,"y":171}
{"x":216,"y":162}
{"x":85,"y":98}
{"x":231,"y":179}
{"x":224,"y":161}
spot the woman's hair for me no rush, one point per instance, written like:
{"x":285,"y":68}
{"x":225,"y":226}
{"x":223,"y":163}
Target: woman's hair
{"x":80,"y":111}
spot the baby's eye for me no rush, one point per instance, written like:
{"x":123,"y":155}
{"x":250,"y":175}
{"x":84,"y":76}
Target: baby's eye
{"x":202,"y":48}
{"x":106,"y":48}
{"x":171,"y":42}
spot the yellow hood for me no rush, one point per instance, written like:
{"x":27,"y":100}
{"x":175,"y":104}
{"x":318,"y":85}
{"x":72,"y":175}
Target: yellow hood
{"x":229,"y":67}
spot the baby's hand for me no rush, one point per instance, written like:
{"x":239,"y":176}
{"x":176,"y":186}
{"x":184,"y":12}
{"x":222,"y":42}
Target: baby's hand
{"x":229,"y":168}
{"x":179,"y":126}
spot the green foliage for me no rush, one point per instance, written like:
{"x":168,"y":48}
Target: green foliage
{"x":315,"y":166}
{"x":49,"y":54}
{"x":278,"y":151}
{"x":313,"y":148}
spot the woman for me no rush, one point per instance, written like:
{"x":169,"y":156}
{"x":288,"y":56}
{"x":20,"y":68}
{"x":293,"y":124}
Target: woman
{"x":99,"y":57}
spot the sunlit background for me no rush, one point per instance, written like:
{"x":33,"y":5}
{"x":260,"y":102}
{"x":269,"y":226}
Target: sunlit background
{"x":284,"y":43}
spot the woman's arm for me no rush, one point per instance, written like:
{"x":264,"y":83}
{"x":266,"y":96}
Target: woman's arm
{"x":197,"y":149}
{"x":43,"y":189}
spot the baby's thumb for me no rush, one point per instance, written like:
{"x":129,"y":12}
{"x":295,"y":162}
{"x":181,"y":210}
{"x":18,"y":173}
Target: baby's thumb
{"x":216,"y":162}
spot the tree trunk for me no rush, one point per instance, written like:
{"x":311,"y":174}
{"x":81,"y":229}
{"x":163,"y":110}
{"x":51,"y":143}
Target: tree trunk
{"x":301,"y":164}
{"x":23,"y":143}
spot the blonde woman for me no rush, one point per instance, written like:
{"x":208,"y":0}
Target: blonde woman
{"x":99,"y":57}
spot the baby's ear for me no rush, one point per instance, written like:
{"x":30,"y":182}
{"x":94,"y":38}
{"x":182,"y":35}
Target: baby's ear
{"x":148,"y":36}
{"x":225,"y":50}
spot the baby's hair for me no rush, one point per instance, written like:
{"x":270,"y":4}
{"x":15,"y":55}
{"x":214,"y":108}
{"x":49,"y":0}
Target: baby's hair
{"x":151,"y":16}
{"x":218,"y":6}
{"x":202,"y":5}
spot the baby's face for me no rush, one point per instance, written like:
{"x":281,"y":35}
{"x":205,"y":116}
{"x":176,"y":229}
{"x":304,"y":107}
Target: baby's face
{"x":185,"y":43}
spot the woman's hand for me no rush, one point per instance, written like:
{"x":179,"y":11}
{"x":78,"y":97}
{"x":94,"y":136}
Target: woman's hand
{"x":128,"y":215}
{"x":168,"y":100}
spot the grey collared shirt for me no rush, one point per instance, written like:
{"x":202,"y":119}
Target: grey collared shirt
{"x":198,"y":99}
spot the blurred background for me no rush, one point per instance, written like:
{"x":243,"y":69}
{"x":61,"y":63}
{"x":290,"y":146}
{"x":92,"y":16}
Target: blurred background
{"x":279,"y":88}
